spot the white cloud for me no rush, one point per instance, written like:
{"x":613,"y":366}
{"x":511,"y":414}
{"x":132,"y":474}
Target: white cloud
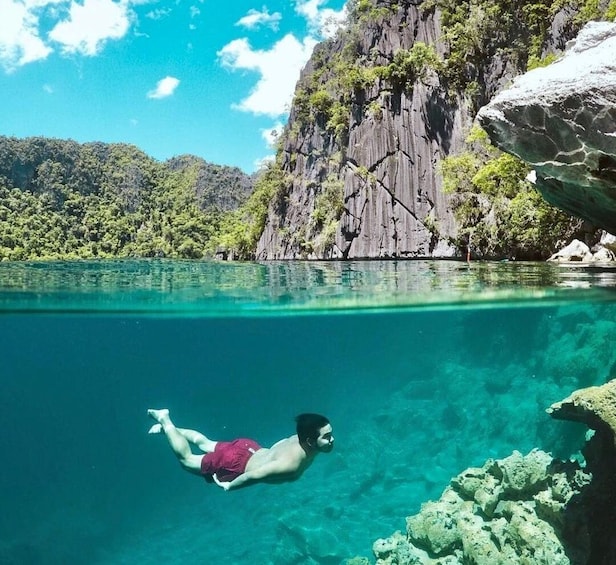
{"x":77,"y":27}
{"x":90,"y":24}
{"x":19,"y":35}
{"x":260,"y":164}
{"x":254,"y":19}
{"x":279,"y":69}
{"x":279,"y":66}
{"x":309,"y":8}
{"x":164,"y":87}
{"x":158,"y":13}
{"x":48,"y":88}
{"x":323,"y":22}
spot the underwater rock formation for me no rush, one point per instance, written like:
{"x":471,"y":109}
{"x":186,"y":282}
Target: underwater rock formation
{"x":561,"y":119}
{"x":596,"y":407}
{"x":525,"y":509}
{"x":507,"y":511}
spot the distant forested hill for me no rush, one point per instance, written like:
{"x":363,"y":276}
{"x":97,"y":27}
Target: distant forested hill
{"x":61,"y":199}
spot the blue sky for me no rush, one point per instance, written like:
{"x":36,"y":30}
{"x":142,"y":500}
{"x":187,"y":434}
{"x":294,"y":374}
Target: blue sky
{"x":212,"y":78}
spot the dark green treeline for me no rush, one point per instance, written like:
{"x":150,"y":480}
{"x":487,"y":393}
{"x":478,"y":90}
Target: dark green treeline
{"x":61,"y":199}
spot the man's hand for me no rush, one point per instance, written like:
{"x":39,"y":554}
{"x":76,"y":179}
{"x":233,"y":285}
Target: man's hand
{"x":224,"y":486}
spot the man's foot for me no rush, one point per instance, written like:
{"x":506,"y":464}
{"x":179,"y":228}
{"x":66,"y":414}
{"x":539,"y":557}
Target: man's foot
{"x":159,"y":415}
{"x":156,"y":429}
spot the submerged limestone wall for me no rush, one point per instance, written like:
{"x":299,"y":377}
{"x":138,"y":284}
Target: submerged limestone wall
{"x":525,"y":509}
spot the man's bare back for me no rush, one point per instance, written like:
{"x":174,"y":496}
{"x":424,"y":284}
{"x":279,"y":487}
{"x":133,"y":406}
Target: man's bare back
{"x":287,"y":450}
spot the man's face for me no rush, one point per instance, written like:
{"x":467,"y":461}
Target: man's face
{"x":325,"y":441}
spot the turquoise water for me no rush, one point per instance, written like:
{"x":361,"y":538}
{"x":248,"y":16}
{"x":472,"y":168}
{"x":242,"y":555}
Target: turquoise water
{"x":424,"y":369}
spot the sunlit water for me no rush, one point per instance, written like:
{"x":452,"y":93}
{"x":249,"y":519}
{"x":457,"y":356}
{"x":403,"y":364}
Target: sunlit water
{"x":424,"y":369}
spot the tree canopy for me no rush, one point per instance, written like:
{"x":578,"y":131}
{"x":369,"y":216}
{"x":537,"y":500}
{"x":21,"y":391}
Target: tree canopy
{"x":60,"y":199}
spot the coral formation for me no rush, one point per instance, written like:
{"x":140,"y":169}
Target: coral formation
{"x":595,"y":406}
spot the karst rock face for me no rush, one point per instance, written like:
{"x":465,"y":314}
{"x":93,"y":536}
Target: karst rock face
{"x":561,"y":119}
{"x":386,"y":166}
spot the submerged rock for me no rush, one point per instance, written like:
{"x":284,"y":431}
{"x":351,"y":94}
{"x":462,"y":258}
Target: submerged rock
{"x":508,"y":511}
{"x":562,"y":120}
{"x":525,"y":509}
{"x":595,"y":406}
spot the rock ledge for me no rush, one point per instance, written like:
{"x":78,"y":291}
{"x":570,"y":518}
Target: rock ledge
{"x":562,"y":120}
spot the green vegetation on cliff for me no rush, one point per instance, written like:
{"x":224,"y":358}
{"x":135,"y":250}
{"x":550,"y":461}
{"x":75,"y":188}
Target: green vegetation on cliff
{"x":500,"y":213}
{"x":476,"y":30}
{"x":588,"y":10}
{"x":60,"y":199}
{"x":240,"y":230}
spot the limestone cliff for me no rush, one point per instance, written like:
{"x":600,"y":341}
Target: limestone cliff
{"x":376,"y":110}
{"x":385,"y":166}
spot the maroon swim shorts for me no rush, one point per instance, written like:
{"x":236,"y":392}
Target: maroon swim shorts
{"x":228,"y":459}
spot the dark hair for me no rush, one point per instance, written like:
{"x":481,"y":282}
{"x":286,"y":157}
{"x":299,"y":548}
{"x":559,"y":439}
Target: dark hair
{"x":308,"y":426}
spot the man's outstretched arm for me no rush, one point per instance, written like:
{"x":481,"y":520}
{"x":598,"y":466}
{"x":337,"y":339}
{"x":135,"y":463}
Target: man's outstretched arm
{"x":270,"y":469}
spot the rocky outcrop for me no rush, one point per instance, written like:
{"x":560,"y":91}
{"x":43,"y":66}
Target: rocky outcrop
{"x":578,"y":251}
{"x":603,"y":251}
{"x":562,"y":120}
{"x":361,"y":166}
{"x":508,"y":511}
{"x":525,"y":509}
{"x":596,"y":407}
{"x":385,"y":166}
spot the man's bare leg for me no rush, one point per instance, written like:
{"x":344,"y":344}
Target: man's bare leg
{"x":178,"y":443}
{"x":196,"y":438}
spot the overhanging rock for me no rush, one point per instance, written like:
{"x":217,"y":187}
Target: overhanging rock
{"x":561,"y":119}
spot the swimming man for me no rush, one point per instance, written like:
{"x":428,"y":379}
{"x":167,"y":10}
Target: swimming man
{"x":243,"y":462}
